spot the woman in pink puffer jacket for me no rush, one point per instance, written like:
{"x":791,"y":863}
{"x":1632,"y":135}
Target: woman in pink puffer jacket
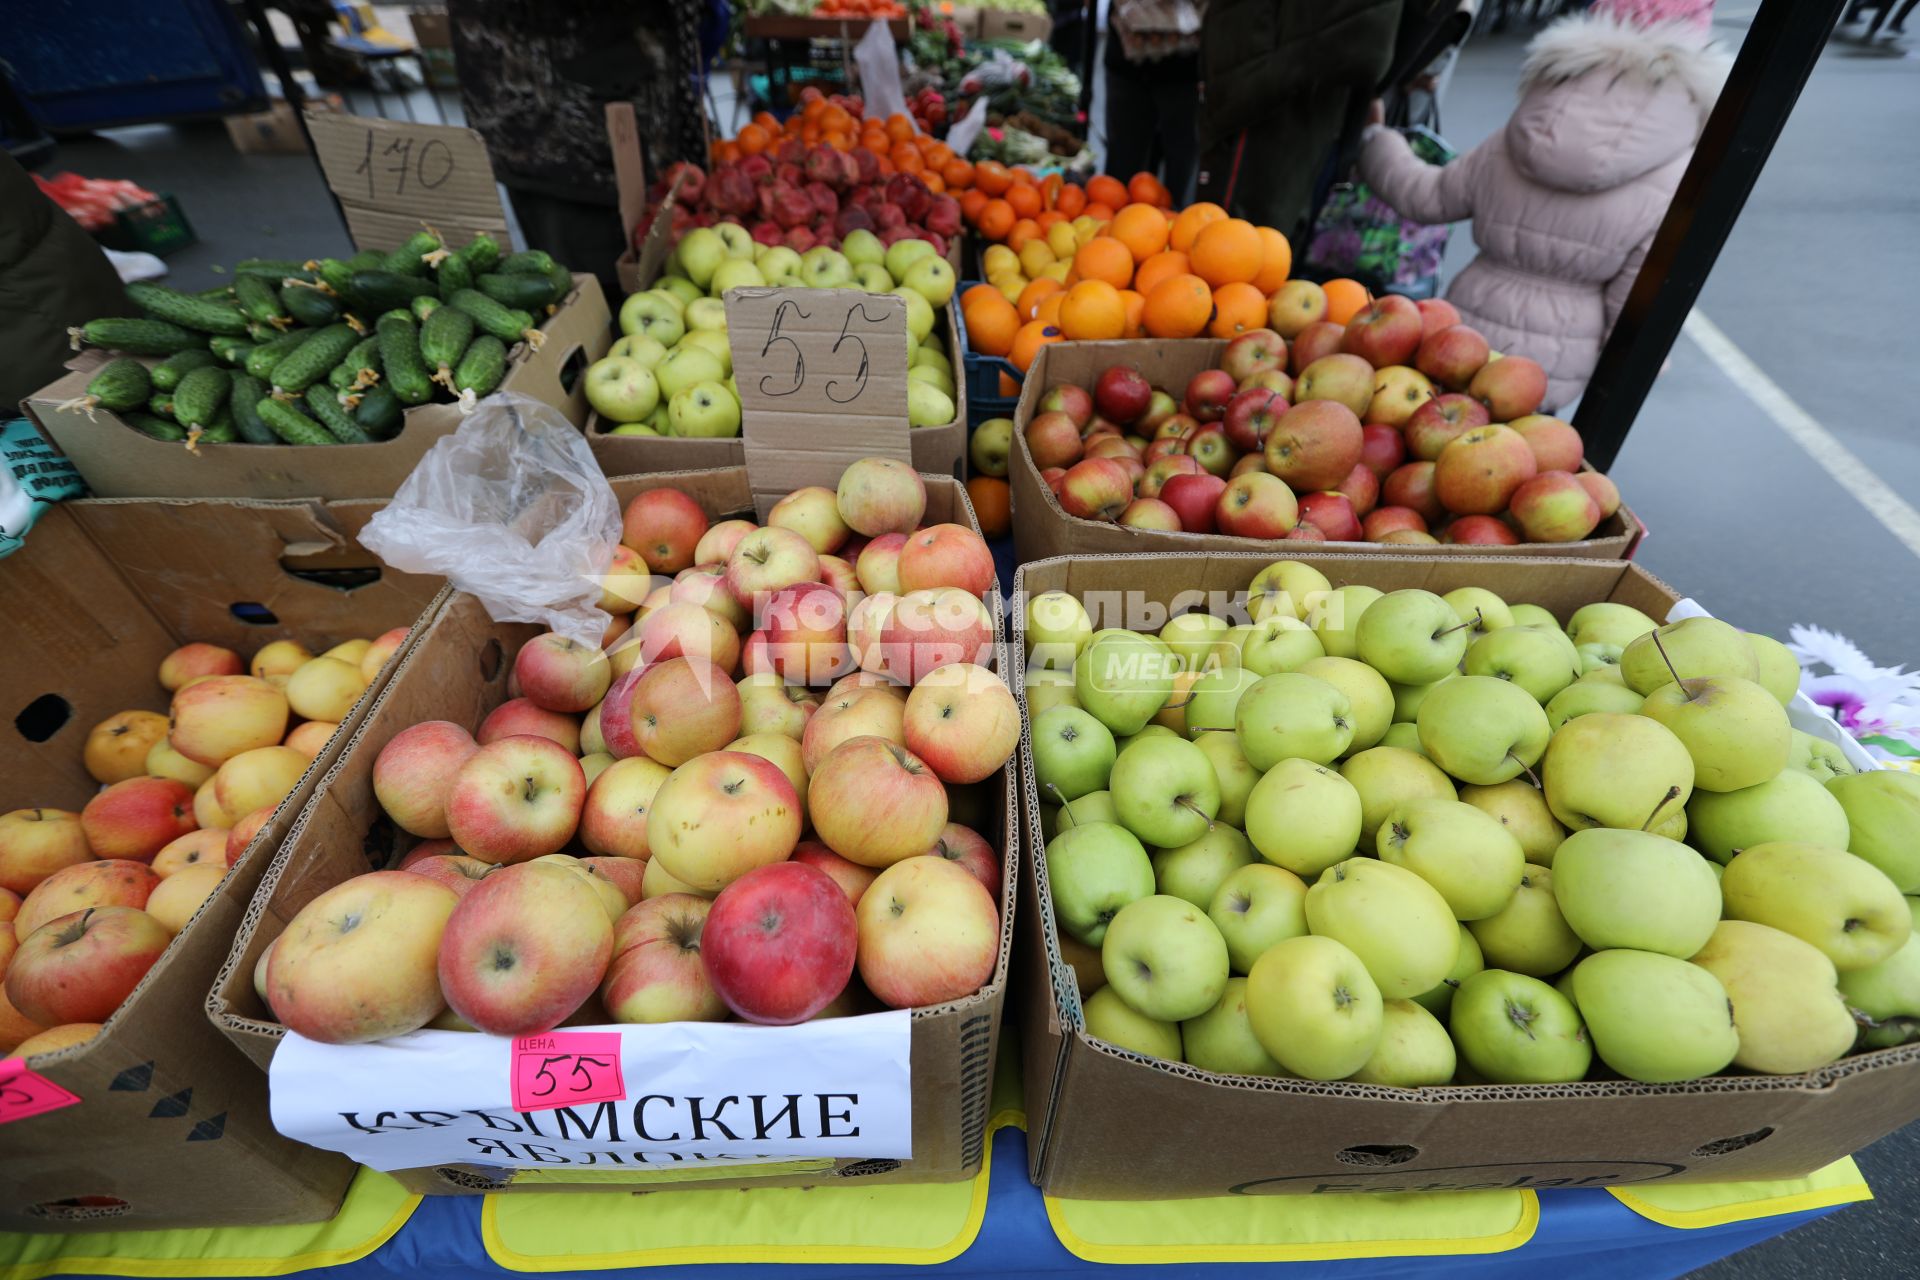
{"x":1565,"y":200}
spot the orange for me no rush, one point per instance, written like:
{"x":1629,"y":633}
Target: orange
{"x":1178,"y":307}
{"x":1048,"y":217}
{"x":753,"y":140}
{"x":957,"y":172}
{"x":1107,"y":190}
{"x":1344,"y":299}
{"x":992,"y":177}
{"x":730,"y":153}
{"x":935,"y":183}
{"x":1147,"y":189}
{"x":1072,"y":200}
{"x":1098,"y":212}
{"x":1048,"y":312}
{"x":1186,"y":227}
{"x":937,"y":154}
{"x":1136,"y":311}
{"x":1025,"y":199}
{"x":1105,"y":258}
{"x":976,"y":291}
{"x":1093,"y":311}
{"x":1237,"y":307}
{"x":899,"y":127}
{"x":1276,"y":261}
{"x":1030,"y":297}
{"x":996,"y":219}
{"x":972,"y":201}
{"x":992,"y":504}
{"x":906,"y":159}
{"x":1027,"y":343}
{"x":1022,"y":231}
{"x":1141,"y":228}
{"x":1226,"y":251}
{"x":768,"y":121}
{"x":837,"y":117}
{"x":992,"y":322}
{"x":1157,"y":268}
{"x":1008,"y":384}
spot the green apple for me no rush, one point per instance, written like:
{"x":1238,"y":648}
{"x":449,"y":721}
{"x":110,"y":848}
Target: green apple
{"x":1481,"y":729}
{"x":1512,"y":1029}
{"x":709,"y":315}
{"x":673,"y":299}
{"x":1124,"y":678}
{"x":1276,"y":643}
{"x":1369,"y":696}
{"x":740,"y":244}
{"x":1541,"y":661}
{"x":1093,"y":870}
{"x":1779,"y":669}
{"x":991,"y":446}
{"x":685,"y":366}
{"x":1602,"y":660}
{"x":1165,"y":790}
{"x":902,"y":254}
{"x":1046,"y":688}
{"x":1164,"y":958}
{"x":872,"y":278}
{"x":1404,"y":736}
{"x":1788,"y":1012}
{"x":679,"y":286}
{"x":930,"y":357}
{"x":928,"y":406}
{"x":1584,"y":696}
{"x":621,"y":390}
{"x":1414,"y":1049}
{"x":1883,"y":816}
{"x":1109,"y":1019}
{"x":736,"y":273}
{"x":1438,"y":998}
{"x":1412,"y":636}
{"x":1694,"y":647}
{"x":919,"y":310}
{"x":1736,"y":732}
{"x":1095,"y":806}
{"x":1388,"y":776}
{"x":1073,"y":753}
{"x":1480,"y":609}
{"x":1235,"y":775}
{"x":1841,"y":904}
{"x":1195,"y":638}
{"x":1286,"y":586}
{"x":714,"y":343}
{"x":1533,"y":615}
{"x":1222,"y":1039}
{"x":1610,"y":770}
{"x":1196,"y":870}
{"x":1523,"y":811}
{"x":1256,"y":906}
{"x":825,"y":268}
{"x":1817,"y":758}
{"x":1606,"y":623}
{"x":646,"y":315}
{"x":931,"y":277}
{"x":638,"y":346}
{"x":1289,"y":715}
{"x":1397,"y":923}
{"x":1057,"y":629}
{"x":1314,"y":1007}
{"x":701,"y":251}
{"x":1471,"y":859}
{"x":1654,"y":1018}
{"x":778,"y":263}
{"x":632,"y":429}
{"x":1528,"y":935}
{"x":1303,"y":816}
{"x":1408,"y":697}
{"x":862,"y":246}
{"x":1151,"y":731}
{"x":1636,"y":890}
{"x":705,"y":411}
{"x":1213,"y":700}
{"x":1335,"y":618}
{"x":1789,"y":806}
{"x":1889,"y":992}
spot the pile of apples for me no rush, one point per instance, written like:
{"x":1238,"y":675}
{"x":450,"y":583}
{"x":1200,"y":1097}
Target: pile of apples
{"x":1413,"y":839}
{"x":1397,"y":427}
{"x":671,"y":371}
{"x":90,"y":900}
{"x":745,"y":795}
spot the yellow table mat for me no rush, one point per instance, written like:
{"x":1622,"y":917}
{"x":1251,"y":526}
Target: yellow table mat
{"x":1714,"y":1204}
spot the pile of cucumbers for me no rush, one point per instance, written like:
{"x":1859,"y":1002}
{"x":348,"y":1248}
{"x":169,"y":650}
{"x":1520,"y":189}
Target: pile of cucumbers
{"x":332,"y":351}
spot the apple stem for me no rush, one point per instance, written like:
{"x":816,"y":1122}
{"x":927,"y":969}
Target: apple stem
{"x":1185,"y":803}
{"x":1671,"y":669}
{"x":1475,"y":623}
{"x":1673,"y":793}
{"x":1064,"y":806}
{"x":1532,"y":777}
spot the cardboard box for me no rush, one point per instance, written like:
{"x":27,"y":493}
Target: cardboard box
{"x":457,"y":670}
{"x":1042,"y":528}
{"x":1272,"y":1136}
{"x":118,"y":461}
{"x":998,"y":24}
{"x":276,"y":131}
{"x":172,"y":1127}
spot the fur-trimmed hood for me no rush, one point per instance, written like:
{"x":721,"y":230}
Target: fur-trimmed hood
{"x":1604,"y":101}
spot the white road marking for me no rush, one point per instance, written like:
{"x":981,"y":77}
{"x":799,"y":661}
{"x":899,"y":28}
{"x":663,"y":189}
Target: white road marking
{"x":1889,"y":508}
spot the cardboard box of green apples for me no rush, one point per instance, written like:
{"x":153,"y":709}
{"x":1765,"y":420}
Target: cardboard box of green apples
{"x":1570,"y":923}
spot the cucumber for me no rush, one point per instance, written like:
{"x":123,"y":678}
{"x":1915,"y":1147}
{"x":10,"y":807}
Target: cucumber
{"x":324,"y":404}
{"x":310,"y":307}
{"x":139,"y":337}
{"x":523,"y":291}
{"x":379,"y":412}
{"x":201,"y":395}
{"x":482,"y":367}
{"x":408,"y":259}
{"x":505,"y":323}
{"x":562,"y":284}
{"x":333,"y":272}
{"x":261,"y":360}
{"x":220,"y":431}
{"x":219,"y":293}
{"x":259,"y":301}
{"x":482,"y":254}
{"x":120,"y":385}
{"x":360,"y":367}
{"x":158,"y":428}
{"x":231,"y":350}
{"x":452,"y":275}
{"x":275,"y":269}
{"x":423,"y":306}
{"x":531,"y":262}
{"x":186,"y":310}
{"x":160,"y":404}
{"x":244,"y":404}
{"x":443,"y":340}
{"x":167,"y":374}
{"x":385,"y":290}
{"x":400,"y":358}
{"x":310,"y":361}
{"x":290,"y":424}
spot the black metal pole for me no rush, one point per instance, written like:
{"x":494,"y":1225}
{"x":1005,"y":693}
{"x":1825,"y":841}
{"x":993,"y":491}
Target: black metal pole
{"x":290,"y":90}
{"x":1780,"y":51}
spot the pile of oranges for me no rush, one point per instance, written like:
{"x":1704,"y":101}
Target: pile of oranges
{"x":841,"y":122}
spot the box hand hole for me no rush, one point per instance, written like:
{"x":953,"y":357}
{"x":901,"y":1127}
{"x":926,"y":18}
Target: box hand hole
{"x":491,"y":658}
{"x":1726,"y":1146}
{"x":1377,"y":1155}
{"x":254,"y":614}
{"x":571,"y":368}
{"x":42,"y":718}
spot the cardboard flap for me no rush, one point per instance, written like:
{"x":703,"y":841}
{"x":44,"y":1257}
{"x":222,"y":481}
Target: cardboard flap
{"x":823,"y":383}
{"x":394,"y":177}
{"x":629,"y":164}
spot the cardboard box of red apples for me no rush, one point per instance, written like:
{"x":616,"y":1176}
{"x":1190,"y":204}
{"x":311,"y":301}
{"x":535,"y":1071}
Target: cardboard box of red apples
{"x":464,"y":670}
{"x":1208,"y":445}
{"x":1274,"y":1134}
{"x":169,"y":1127}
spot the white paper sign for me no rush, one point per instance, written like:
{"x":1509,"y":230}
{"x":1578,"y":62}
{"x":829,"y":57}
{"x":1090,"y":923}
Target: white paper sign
{"x":838,"y":1088}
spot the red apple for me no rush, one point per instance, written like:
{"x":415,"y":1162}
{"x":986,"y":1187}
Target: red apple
{"x":111,"y":882}
{"x":1256,"y":505}
{"x":1451,"y":356}
{"x":1397,"y":392}
{"x":1150,"y":513}
{"x":721,"y":815}
{"x":1194,"y":499}
{"x":970,"y":849}
{"x":1278,"y":381}
{"x":1176,"y":426}
{"x":1478,"y":472}
{"x":1096,"y":489}
{"x":137,"y":818}
{"x":1555,"y":507}
{"x":1362,"y":489}
{"x":806,"y":633}
{"x":778,"y":943}
{"x":1480,"y":531}
{"x":813,"y":512}
{"x":1315,"y":444}
{"x":35,"y":843}
{"x":561,"y":674}
{"x":1332,"y":514}
{"x":852,"y":878}
{"x":457,"y":872}
{"x":358,"y":962}
{"x":1321,"y":338}
{"x":414,"y":771}
{"x":878,"y":567}
{"x":1556,"y":445}
{"x":1381,"y":521}
{"x":1385,"y":332}
{"x":616,"y":716}
{"x":1208,"y":394}
{"x":1064,"y":397}
{"x":1251,"y":416}
{"x":946,"y":555}
{"x":768,"y":559}
{"x":1249,"y":462}
{"x":1210,"y":448}
{"x":81,"y":966}
{"x":1160,"y":407}
{"x":706,"y":586}
{"x":613,"y":818}
{"x":1381,"y":449}
{"x":875,"y":802}
{"x":1603,"y":490}
{"x":1305,"y":532}
{"x":1342,"y":377}
{"x":839,"y":574}
{"x":1438,"y":422}
{"x":1436,"y":314}
{"x":684,"y":630}
{"x":929,"y":629}
{"x":525,"y":948}
{"x":1122,"y":394}
{"x":682,"y":708}
{"x":1411,"y":485}
{"x":518,"y":717}
{"x":1110,"y":445}
{"x":962,"y":720}
{"x":1162,"y":470}
{"x":656,"y":974}
{"x":929,"y":933}
{"x":1511,"y":387}
{"x":516,"y":799}
{"x":1410,"y":537}
{"x":664,"y":526}
{"x":624,"y":874}
{"x":1253,"y":352}
{"x":191,"y":661}
{"x":718,"y":542}
{"x":875,"y":496}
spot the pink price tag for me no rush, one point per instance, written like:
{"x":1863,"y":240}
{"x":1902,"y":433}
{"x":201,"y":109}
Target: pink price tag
{"x":565,"y":1068}
{"x":24,"y":1093}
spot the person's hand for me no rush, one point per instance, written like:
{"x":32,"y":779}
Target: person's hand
{"x":1376,"y":112}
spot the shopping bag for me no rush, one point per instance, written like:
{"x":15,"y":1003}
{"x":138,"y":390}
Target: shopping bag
{"x":1358,"y":235}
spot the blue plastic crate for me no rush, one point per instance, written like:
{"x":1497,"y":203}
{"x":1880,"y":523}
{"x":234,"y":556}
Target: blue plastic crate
{"x":983,"y":372}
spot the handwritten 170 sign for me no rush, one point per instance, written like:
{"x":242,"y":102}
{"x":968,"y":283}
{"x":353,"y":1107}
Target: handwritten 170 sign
{"x":566,"y":1068}
{"x":394,"y":176}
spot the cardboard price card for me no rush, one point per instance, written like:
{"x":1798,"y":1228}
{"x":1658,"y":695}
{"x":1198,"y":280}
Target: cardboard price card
{"x":393,"y":176}
{"x":635,"y":1097}
{"x":24,"y":1093}
{"x":823,"y":383}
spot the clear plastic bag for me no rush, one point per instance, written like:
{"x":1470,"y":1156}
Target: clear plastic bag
{"x":513,"y":508}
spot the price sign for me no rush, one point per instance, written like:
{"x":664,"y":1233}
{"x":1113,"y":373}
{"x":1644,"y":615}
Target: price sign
{"x":823,"y":383}
{"x":565,"y":1068}
{"x":24,"y":1093}
{"x":393,"y":175}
